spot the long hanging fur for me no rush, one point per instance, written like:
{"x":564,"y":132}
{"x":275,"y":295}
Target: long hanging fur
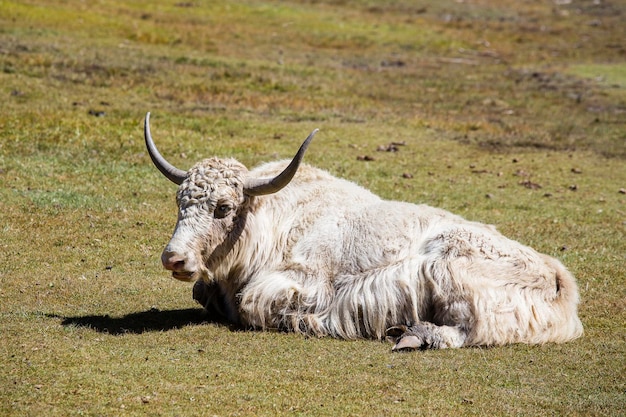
{"x":328,"y":258}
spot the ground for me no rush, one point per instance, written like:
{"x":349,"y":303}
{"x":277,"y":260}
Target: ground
{"x":509,"y":113}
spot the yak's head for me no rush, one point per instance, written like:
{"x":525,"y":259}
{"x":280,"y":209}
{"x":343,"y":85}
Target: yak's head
{"x":211,"y":208}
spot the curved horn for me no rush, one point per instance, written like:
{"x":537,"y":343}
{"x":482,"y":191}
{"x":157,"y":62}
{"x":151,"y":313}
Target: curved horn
{"x":172,"y":173}
{"x":262,"y":186}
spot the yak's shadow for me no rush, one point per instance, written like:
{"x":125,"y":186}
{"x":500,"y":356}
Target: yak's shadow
{"x":152,"y":320}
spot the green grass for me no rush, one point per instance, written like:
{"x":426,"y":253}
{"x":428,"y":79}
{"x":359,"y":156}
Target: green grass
{"x":488,"y":96}
{"x":611,"y":74}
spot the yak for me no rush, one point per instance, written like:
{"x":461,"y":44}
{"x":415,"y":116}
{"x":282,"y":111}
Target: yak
{"x":290,"y":247}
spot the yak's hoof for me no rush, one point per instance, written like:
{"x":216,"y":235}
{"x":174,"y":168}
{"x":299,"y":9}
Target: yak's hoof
{"x":419,"y":336}
{"x":402,"y":340}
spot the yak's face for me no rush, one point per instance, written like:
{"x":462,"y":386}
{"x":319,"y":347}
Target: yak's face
{"x":211,"y":213}
{"x":210,"y":201}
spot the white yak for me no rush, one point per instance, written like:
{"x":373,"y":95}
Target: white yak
{"x":289,"y":246}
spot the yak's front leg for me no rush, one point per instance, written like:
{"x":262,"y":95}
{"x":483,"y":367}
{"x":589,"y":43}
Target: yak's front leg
{"x":277,"y":301}
{"x":212,"y":298}
{"x":426,"y":335}
{"x":270,"y":303}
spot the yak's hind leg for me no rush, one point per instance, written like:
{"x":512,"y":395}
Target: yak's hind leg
{"x":447,"y":315}
{"x":425,"y":335}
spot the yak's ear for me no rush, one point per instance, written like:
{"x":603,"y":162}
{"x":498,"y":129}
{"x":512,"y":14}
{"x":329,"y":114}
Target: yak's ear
{"x":261,"y":186}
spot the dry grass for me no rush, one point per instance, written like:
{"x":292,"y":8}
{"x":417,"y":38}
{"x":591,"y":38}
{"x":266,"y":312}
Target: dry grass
{"x":492,"y":100}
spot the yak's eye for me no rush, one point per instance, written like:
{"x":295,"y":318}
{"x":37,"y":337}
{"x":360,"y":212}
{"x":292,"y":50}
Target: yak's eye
{"x":222,"y":211}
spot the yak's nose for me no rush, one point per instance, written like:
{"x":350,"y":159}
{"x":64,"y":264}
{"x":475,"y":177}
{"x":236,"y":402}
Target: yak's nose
{"x":173,"y":261}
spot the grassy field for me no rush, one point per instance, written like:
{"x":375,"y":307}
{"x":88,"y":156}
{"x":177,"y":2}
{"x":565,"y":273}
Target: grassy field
{"x":511,"y":113}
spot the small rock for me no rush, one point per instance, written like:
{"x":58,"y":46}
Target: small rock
{"x":364,"y":158}
{"x":97,"y":113}
{"x":392,"y":147}
{"x":530,"y":184}
{"x":577,"y":170}
{"x":393,"y":63}
{"x":573,"y":187}
{"x":622,"y":191}
{"x":407,"y":175}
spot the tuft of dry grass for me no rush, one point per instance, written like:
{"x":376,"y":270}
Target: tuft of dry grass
{"x":510,"y":113}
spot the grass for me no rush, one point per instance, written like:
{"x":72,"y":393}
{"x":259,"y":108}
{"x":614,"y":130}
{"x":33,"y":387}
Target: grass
{"x":512,"y":113}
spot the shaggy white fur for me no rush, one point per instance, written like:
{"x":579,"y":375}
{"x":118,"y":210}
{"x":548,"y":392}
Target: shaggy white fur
{"x":324,"y":256}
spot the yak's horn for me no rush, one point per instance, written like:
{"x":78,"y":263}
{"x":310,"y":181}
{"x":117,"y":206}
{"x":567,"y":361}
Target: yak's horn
{"x":177,"y":176}
{"x":257,"y":186}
